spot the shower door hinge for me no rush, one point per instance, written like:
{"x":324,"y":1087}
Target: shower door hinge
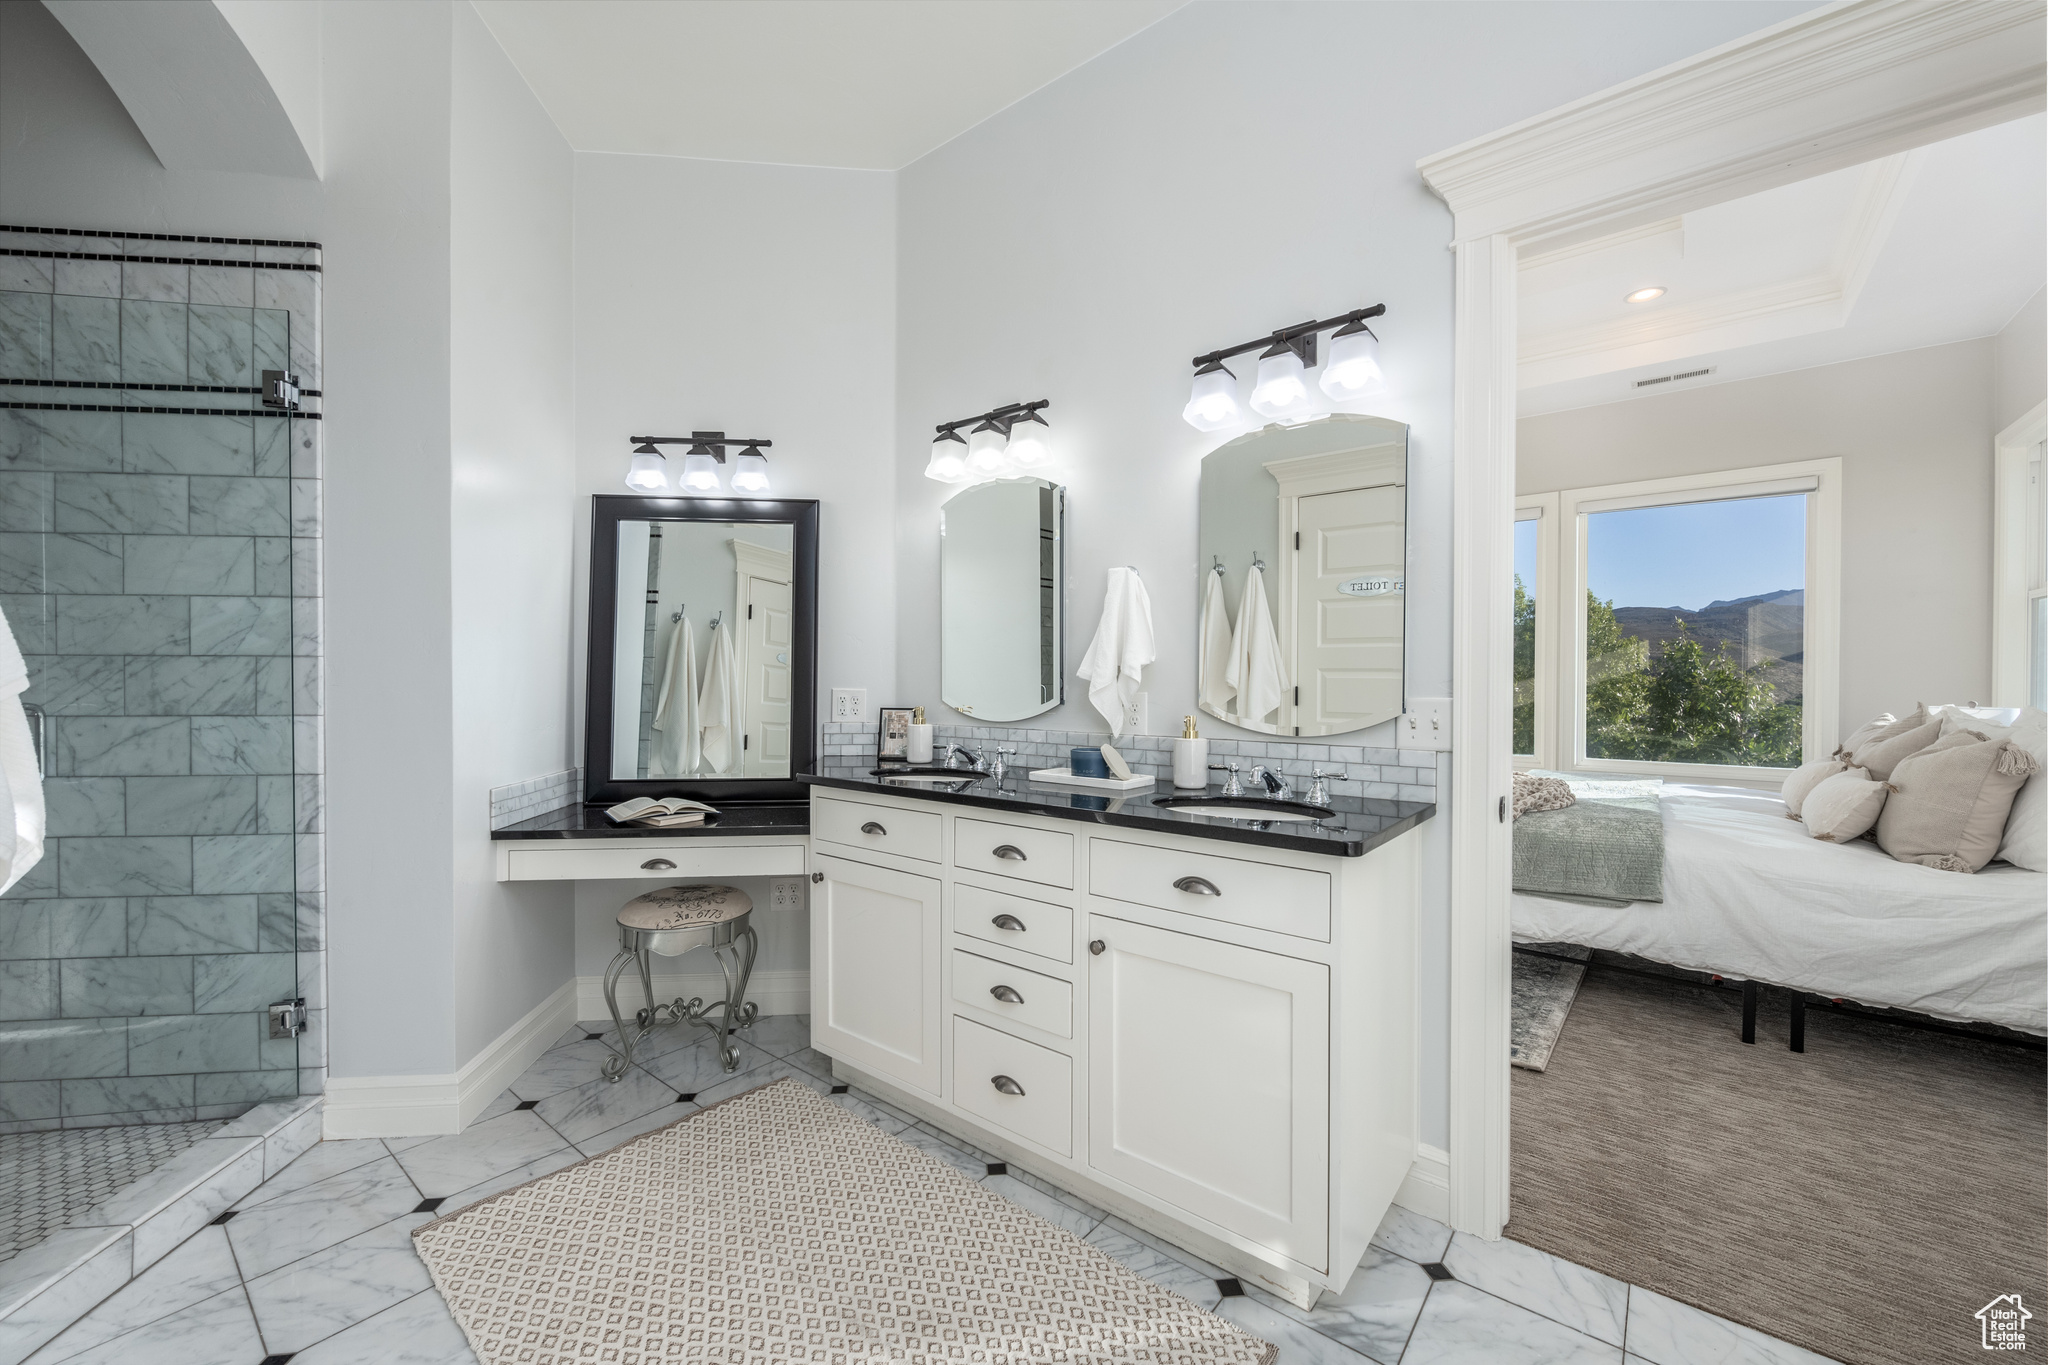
{"x":281,"y":390}
{"x":288,"y":1018}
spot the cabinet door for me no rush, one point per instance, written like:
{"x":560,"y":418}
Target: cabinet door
{"x":876,"y":1000}
{"x":1208,"y":1077}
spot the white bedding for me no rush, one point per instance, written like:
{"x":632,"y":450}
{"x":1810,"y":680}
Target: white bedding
{"x":1748,"y":894}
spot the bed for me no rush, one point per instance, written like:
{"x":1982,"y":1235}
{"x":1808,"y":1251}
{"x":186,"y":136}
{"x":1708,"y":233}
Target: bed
{"x":1748,"y":895}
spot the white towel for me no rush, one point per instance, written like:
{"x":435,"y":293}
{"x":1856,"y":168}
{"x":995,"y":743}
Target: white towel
{"x":718,"y":705}
{"x":1214,"y":689}
{"x":21,"y":785}
{"x":1256,"y":669}
{"x":675,"y":708}
{"x":1115,"y":662}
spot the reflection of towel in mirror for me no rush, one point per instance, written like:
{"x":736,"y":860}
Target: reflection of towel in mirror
{"x":21,"y":785}
{"x":1256,"y":669}
{"x":1115,"y":662}
{"x":1213,"y":688}
{"x":675,"y":709}
{"x":718,"y":705}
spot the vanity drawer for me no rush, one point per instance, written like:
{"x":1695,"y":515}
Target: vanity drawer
{"x":1032,"y":855}
{"x":693,"y":860}
{"x":888,"y":829}
{"x":1046,"y":930}
{"x":1043,"y":1113}
{"x":1286,"y":900}
{"x":1044,"y":1002}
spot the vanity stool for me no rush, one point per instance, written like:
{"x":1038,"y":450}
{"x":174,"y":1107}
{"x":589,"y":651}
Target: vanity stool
{"x":672,"y":921}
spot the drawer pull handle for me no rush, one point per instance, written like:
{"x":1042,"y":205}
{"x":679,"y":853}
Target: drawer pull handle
{"x":657,"y":865}
{"x":1096,"y":946}
{"x":1010,"y":851}
{"x":1197,"y":886}
{"x":1008,"y":922}
{"x":872,"y":828}
{"x":1006,"y":994}
{"x":1006,"y":1085}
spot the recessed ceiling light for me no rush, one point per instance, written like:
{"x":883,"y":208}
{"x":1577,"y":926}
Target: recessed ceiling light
{"x":1655,"y":291}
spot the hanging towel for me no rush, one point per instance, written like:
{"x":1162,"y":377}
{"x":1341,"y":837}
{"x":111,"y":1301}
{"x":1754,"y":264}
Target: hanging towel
{"x":1115,"y":662}
{"x":1214,"y":689}
{"x":718,"y":705}
{"x":1256,"y":669}
{"x":675,"y":709}
{"x":21,"y":785}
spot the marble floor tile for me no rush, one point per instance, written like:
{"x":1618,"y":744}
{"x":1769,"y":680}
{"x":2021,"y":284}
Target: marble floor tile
{"x":1044,"y":1205}
{"x":1461,"y":1325}
{"x":1299,"y":1343}
{"x":632,"y":1128}
{"x":1664,"y":1331}
{"x":890,"y":1120}
{"x":504,"y":1104}
{"x":765,"y":1074}
{"x":532,"y":1170}
{"x":1582,"y":1299}
{"x":1420,"y":1239}
{"x":597,"y":1105}
{"x":313,"y":1298}
{"x":279,"y":1231}
{"x":931,"y":1144}
{"x":196,"y":1271}
{"x":962,"y":1143}
{"x":419,"y":1331}
{"x":1072,"y":1201}
{"x":811,"y":1060}
{"x":1164,"y":1247}
{"x":217,"y":1329}
{"x":483,"y":1150}
{"x":697,"y":1067}
{"x":576,"y":1034}
{"x":1377,"y":1310}
{"x":323,"y":1160}
{"x":562,"y":1068}
{"x":1156,"y":1266}
{"x":781,"y":1034}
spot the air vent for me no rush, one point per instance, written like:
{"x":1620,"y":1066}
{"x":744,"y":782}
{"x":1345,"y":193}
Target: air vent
{"x":1674,"y":378}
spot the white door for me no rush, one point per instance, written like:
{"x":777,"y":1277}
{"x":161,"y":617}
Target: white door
{"x":764,"y":684}
{"x":1349,"y":598}
{"x":875,"y":990}
{"x":1208,"y":1076}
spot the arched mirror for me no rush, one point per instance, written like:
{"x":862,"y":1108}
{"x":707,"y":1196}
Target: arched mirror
{"x":1000,"y":598}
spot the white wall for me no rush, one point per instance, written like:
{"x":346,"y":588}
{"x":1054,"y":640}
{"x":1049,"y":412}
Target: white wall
{"x":1914,"y":433}
{"x":2022,"y":363}
{"x":1235,"y":168}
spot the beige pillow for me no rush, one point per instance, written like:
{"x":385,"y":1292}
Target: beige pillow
{"x":1845,"y":806}
{"x":1541,"y":793}
{"x":1864,"y":733}
{"x":1949,"y":802}
{"x":1954,"y":718}
{"x":1882,"y":753}
{"x":1804,"y":779}
{"x":2026,"y":830}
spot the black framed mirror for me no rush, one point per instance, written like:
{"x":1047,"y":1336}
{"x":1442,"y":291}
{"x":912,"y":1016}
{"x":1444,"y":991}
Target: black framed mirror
{"x":701,"y":679}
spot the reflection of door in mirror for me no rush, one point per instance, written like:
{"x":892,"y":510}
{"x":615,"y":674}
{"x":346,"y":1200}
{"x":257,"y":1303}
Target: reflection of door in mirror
{"x":765,"y":621}
{"x":1000,"y":599}
{"x":1348,"y":607}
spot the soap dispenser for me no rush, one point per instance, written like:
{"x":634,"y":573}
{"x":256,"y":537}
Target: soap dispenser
{"x":1190,"y":756}
{"x":920,"y":749}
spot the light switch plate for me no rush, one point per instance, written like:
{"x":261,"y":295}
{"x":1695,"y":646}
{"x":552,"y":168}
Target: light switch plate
{"x":849,"y":703}
{"x":1426,"y":724}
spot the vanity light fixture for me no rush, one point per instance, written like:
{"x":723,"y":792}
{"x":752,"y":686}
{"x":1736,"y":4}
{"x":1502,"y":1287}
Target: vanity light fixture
{"x":649,"y":471}
{"x":1655,"y":291}
{"x":1028,"y":448}
{"x":994,"y":445}
{"x":949,"y":457}
{"x":985,"y":446}
{"x":1280,"y":390}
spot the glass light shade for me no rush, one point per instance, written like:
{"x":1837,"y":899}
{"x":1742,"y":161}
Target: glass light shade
{"x":1028,"y":448}
{"x":649,"y":473}
{"x":985,"y":451}
{"x":949,"y":460}
{"x":1282,"y":386}
{"x":700,"y":474}
{"x":1212,"y":405}
{"x":750,"y":472}
{"x":1353,"y":366}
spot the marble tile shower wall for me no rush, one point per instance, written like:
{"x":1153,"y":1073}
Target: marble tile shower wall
{"x":160,"y":566}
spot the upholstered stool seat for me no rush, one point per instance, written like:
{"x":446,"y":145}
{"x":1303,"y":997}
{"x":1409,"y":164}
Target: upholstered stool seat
{"x":671,"y":921}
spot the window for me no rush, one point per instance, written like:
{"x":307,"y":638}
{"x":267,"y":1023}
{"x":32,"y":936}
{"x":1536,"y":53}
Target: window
{"x":2019,"y":617}
{"x":1525,"y":632}
{"x":1535,"y":629}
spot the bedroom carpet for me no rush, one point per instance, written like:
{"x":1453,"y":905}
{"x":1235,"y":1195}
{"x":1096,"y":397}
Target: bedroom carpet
{"x":1863,"y":1199}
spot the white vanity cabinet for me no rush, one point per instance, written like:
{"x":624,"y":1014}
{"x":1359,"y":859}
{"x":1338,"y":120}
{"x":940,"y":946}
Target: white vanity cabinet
{"x":1213,"y":1039}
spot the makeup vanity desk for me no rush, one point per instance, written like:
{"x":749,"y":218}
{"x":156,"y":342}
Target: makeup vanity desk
{"x":577,"y":843}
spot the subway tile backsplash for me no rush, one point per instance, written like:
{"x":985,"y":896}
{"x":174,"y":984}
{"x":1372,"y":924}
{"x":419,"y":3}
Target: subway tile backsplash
{"x":518,"y":801}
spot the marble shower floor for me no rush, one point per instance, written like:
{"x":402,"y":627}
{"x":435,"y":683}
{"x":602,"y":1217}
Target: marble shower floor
{"x":316,"y":1265}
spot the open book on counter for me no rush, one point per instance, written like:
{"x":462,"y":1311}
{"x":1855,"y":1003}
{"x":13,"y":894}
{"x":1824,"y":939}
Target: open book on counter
{"x":666,"y":812}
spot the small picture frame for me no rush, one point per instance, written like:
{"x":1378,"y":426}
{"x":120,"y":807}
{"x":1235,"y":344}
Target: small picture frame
{"x":892,"y":735}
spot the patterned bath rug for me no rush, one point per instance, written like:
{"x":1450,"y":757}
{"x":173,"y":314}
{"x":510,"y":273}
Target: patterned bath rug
{"x":777,"y":1226}
{"x":1544,"y":991}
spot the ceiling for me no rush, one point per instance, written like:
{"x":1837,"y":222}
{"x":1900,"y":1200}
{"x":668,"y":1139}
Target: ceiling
{"x":1936,"y":245}
{"x":864,"y":84}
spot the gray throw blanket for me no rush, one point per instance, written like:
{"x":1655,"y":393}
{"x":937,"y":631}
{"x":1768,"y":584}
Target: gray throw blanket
{"x":1599,"y":852}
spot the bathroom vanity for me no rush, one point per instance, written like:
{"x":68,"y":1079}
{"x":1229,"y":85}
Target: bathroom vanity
{"x":1204,"y":1025}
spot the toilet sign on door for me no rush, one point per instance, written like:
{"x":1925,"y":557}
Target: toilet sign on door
{"x":1370,"y":587}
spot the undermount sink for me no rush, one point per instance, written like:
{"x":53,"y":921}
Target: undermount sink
{"x":929,"y":774}
{"x":1243,"y":808}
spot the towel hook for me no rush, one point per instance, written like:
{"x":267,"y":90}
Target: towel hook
{"x":677,"y":616}
{"x":716,"y":618}
{"x":1258,"y":563}
{"x":1218,"y":565}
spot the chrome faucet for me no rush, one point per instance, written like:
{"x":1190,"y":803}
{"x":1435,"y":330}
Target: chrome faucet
{"x":1319,"y":785}
{"x":955,"y":751}
{"x":1276,"y":785}
{"x":1231,"y":786}
{"x":1001,"y":765}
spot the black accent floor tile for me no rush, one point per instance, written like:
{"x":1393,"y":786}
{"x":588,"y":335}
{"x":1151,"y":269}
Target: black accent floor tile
{"x":278,"y":1360}
{"x":593,"y":1037}
{"x":686,"y":1097}
{"x":527,"y":1104}
{"x":430,"y":1205}
{"x":1437,"y":1270}
{"x":1230,"y":1288}
{"x":841,"y":1089}
{"x":224,"y":1217}
{"x":998,"y":1168}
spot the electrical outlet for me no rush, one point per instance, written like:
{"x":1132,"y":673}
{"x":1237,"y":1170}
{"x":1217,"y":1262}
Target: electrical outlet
{"x":1426,"y":724}
{"x":786,"y":895}
{"x":849,"y":703}
{"x":1138,"y":715}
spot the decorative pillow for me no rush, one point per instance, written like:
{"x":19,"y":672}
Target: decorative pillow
{"x":1541,"y":793}
{"x":1954,"y":718}
{"x":1804,"y":779}
{"x":1882,"y":753}
{"x":2002,"y":716}
{"x":1845,"y":806}
{"x":2026,"y":830}
{"x":1949,"y":802}
{"x":1864,"y":733}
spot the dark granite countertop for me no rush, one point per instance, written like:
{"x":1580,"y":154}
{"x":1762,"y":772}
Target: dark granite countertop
{"x":589,"y":822}
{"x":1357,"y":826}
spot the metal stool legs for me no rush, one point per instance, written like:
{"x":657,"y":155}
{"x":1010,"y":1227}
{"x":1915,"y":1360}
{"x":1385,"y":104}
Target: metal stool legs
{"x":735,"y":949}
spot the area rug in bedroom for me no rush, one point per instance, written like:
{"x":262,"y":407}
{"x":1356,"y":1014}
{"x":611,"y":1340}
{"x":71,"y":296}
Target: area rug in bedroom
{"x":775,"y":1225}
{"x":1544,"y":991}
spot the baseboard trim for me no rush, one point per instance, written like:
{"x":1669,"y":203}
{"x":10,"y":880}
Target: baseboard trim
{"x":423,"y":1106}
{"x":1427,"y":1190}
{"x":773,"y":992}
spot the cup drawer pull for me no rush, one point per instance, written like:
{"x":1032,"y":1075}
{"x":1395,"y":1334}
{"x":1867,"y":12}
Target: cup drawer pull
{"x":1197,"y":886}
{"x":1010,"y":922}
{"x":657,"y":865}
{"x":1007,"y":994}
{"x":872,"y":828}
{"x":1010,"y":851}
{"x":1006,"y":1085}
